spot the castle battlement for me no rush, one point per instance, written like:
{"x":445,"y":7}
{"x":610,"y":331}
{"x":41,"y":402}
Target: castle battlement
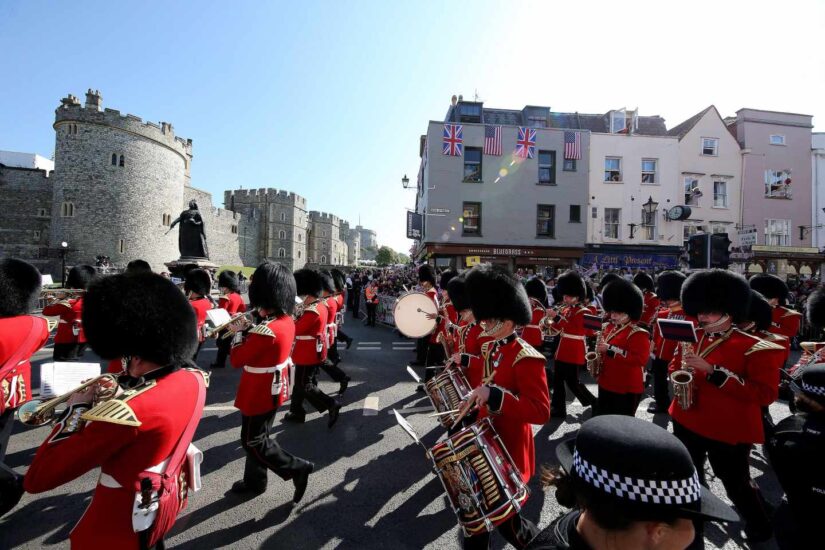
{"x":323,"y":217}
{"x":262,"y":195}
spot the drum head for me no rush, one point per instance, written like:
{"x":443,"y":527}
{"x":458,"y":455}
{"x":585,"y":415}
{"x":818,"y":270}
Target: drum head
{"x":411,"y":315}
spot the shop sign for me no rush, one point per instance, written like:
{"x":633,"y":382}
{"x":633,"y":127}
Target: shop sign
{"x":631,"y":261}
{"x":785,"y":249}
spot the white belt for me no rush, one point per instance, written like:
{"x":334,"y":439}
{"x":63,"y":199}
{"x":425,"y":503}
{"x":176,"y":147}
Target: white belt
{"x":573,"y":336}
{"x":266,"y":370}
{"x":108,"y":481}
{"x":532,"y":326}
{"x":63,"y":322}
{"x":305,"y":337}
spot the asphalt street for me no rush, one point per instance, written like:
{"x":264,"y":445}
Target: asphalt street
{"x":372,"y":488}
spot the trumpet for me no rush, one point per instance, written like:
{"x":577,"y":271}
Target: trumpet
{"x":213,"y":333}
{"x":594,"y":358}
{"x":38,"y":412}
{"x":544,"y":324}
{"x":66,"y":292}
{"x":682,"y":380}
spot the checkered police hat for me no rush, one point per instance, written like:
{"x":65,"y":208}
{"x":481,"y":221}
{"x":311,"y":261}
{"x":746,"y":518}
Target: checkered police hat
{"x":812,"y":382}
{"x":641,"y":467}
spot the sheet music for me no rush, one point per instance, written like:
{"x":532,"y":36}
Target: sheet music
{"x":406,"y":426}
{"x":217,"y":317}
{"x":62,"y":377}
{"x":677,"y":329}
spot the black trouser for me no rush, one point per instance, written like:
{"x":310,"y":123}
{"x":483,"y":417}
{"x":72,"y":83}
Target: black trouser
{"x":517,"y":530}
{"x":356,"y":304}
{"x":332,"y":354}
{"x":197,"y":351}
{"x":730,"y":464}
{"x":568,"y":373}
{"x":6,"y":426}
{"x":68,"y":352}
{"x":661,"y":392}
{"x":617,"y":403}
{"x":223,"y":345}
{"x":330,"y":366}
{"x":305,"y":388}
{"x":371,"y":313}
{"x":434,"y":357}
{"x":263,"y":452}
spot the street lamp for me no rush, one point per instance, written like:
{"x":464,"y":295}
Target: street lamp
{"x":405,"y":182}
{"x":63,"y":249}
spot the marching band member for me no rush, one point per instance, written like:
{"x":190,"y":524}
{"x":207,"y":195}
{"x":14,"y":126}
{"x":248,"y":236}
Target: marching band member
{"x":569,"y":323}
{"x":263,"y":354}
{"x":310,"y":350}
{"x":70,"y":340}
{"x":734,"y":375}
{"x":430,"y":350}
{"x":447,"y":314}
{"x":341,"y":288}
{"x":651,"y":509}
{"x":138,"y":266}
{"x":141,"y":433}
{"x":624,"y":348}
{"x":537,"y":293}
{"x":330,"y":301}
{"x":198,"y":285}
{"x":470,"y":336}
{"x":233,"y":303}
{"x":21,"y":335}
{"x":644,"y":282}
{"x":785,"y":321}
{"x":668,"y":289}
{"x":514,"y":389}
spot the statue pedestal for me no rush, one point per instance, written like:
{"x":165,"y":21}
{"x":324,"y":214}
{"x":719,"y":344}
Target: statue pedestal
{"x":177,"y":268}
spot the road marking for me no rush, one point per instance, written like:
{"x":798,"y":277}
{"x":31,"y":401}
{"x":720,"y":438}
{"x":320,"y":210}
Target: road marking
{"x":370,"y":343}
{"x":410,"y":410}
{"x":371,"y":405}
{"x":404,"y":343}
{"x":369,"y":349}
{"x":220,"y":408}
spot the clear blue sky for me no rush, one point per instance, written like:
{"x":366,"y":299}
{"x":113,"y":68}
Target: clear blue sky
{"x":328,"y":99}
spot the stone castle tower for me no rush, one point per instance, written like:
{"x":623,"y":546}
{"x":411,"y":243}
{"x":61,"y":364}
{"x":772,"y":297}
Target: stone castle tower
{"x":118,"y":183}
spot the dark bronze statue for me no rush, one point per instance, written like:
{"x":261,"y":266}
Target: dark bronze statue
{"x":192,"y":235}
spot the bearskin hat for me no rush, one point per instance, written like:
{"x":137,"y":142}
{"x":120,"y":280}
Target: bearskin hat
{"x":608,"y":277}
{"x":571,"y":283}
{"x":457,"y":291}
{"x":80,"y":276}
{"x":198,"y":281}
{"x":537,"y":290}
{"x":228,"y":279}
{"x":669,"y":285}
{"x":138,"y":266}
{"x":426,"y":274}
{"x":770,"y":286}
{"x":643,"y":281}
{"x":716,"y":290}
{"x":327,"y":282}
{"x":760,"y":311}
{"x":273,"y":288}
{"x":445,"y":279}
{"x":339,"y":279}
{"x":495,"y":293}
{"x":816,"y":307}
{"x":139,"y":314}
{"x":19,"y":287}
{"x":308,"y":283}
{"x":623,"y":296}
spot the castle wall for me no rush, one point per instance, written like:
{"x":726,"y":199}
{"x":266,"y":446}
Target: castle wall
{"x":25,"y":214}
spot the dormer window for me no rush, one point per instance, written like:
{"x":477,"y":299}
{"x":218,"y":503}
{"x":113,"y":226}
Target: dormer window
{"x":469,"y":112}
{"x":623,"y":121}
{"x":537,"y":116}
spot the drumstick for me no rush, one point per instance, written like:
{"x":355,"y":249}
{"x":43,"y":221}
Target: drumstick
{"x":444,"y":413}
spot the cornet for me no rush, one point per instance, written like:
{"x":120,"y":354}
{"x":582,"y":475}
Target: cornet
{"x":544,"y":324}
{"x":682,"y":380}
{"x":213,"y":333}
{"x":67,"y":292}
{"x":39,"y":413}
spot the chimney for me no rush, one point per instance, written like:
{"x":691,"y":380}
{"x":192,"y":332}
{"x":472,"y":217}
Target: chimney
{"x":454,"y":100}
{"x":93,"y":100}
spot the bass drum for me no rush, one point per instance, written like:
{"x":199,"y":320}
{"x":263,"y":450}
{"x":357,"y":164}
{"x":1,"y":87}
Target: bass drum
{"x":411,"y":312}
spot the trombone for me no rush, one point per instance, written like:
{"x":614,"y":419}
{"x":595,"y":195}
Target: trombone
{"x":38,"y":412}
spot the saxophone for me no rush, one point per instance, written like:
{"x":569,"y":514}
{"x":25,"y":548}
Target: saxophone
{"x":594,"y":358}
{"x":682,"y":380}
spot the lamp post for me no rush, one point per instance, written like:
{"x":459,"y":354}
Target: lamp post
{"x":405,"y":182}
{"x":63,"y":249}
{"x":649,"y":208}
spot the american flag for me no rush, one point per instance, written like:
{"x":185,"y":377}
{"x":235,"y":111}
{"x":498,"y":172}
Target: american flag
{"x":453,"y":140}
{"x":526,"y":142}
{"x":572,"y":145}
{"x":492,"y":140}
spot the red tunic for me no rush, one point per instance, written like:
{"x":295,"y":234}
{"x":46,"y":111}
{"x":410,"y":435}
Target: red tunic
{"x":785,"y":322}
{"x":624,"y":362}
{"x":433,"y":295}
{"x":519,"y":380}
{"x":70,"y":312}
{"x":572,"y":337}
{"x":532,"y":333}
{"x":310,"y":335}
{"x":163,"y":408}
{"x":201,"y":306}
{"x":332,"y":310}
{"x":16,"y":381}
{"x":470,"y":341}
{"x":731,"y":413}
{"x":650,"y":309}
{"x":233,"y":303}
{"x":265,"y":347}
{"x":662,"y":347}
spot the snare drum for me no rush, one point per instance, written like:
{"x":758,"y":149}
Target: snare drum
{"x":446,"y":392}
{"x":483,"y":483}
{"x":410,"y":314}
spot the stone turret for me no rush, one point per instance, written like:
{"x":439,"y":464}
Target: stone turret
{"x":94,"y":100}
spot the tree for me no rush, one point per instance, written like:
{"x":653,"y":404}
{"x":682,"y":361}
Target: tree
{"x":403,"y":258}
{"x":386,"y":256}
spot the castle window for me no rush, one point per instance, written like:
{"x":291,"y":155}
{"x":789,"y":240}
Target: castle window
{"x":167,"y":219}
{"x":37,"y":235}
{"x":282,"y":234}
{"x":283,"y":216}
{"x":234,"y":229}
{"x":323,"y":233}
{"x":323,"y":259}
{"x":114,"y":159}
{"x":121,"y":245}
{"x":299,"y":253}
{"x":42,"y":213}
{"x":300,"y":237}
{"x":122,"y":163}
{"x":67,"y":210}
{"x":282,"y":253}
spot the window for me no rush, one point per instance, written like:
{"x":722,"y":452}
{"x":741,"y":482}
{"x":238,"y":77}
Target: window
{"x":121,"y":246}
{"x":300,"y":237}
{"x":718,"y":228}
{"x":547,"y":167}
{"x":42,"y":213}
{"x":692,"y":192}
{"x":283,"y":216}
{"x":282,"y":253}
{"x":323,"y":259}
{"x":649,"y":225}
{"x":299,"y":253}
{"x":167,"y":219}
{"x":777,"y":139}
{"x":575,"y":213}
{"x":612,"y":219}
{"x":778,"y":184}
{"x":122,"y":163}
{"x":472,"y":164}
{"x":710,"y":147}
{"x":777,"y":232}
{"x":323,"y":233}
{"x":282,"y":234}
{"x":649,"y":171}
{"x":471,"y":221}
{"x":720,"y":194}
{"x":114,"y":159}
{"x":72,"y":129}
{"x":612,"y":169}
{"x":689,"y":230}
{"x":545,"y":221}
{"x":233,"y":229}
{"x":594,"y":212}
{"x":618,"y":122}
{"x":569,"y":165}
{"x":469,"y":112}
{"x":67,"y":210}
{"x":37,"y":235}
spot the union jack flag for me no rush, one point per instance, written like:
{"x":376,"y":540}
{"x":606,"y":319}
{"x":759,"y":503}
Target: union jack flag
{"x":572,"y":145}
{"x":492,"y":140}
{"x":526,"y":143}
{"x":453,"y":140}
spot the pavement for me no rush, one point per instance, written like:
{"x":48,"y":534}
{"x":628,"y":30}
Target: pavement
{"x":372,"y":488}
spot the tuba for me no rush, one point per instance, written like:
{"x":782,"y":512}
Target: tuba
{"x":40,"y":413}
{"x":594,"y":358}
{"x":682,"y":380}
